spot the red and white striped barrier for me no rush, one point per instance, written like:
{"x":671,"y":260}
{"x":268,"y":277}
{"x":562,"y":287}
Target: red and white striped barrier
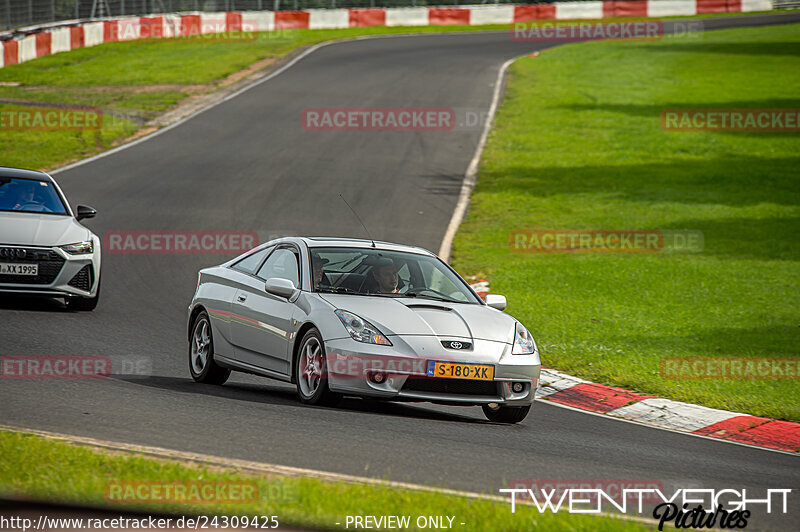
{"x":62,"y":39}
{"x":664,"y":413}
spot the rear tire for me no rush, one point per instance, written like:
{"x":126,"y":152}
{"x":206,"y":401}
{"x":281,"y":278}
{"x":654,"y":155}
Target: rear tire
{"x":311,"y":372}
{"x":505,"y":414}
{"x":201,"y":354}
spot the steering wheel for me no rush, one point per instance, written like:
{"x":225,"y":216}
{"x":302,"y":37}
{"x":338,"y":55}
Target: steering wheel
{"x":42,"y":208}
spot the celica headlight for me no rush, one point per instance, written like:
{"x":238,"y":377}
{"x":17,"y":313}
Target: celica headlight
{"x":80,"y":248}
{"x":523,"y":342}
{"x":360,"y":329}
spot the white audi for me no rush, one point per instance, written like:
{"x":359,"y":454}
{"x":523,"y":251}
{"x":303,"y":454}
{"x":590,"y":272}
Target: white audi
{"x":44,"y":250}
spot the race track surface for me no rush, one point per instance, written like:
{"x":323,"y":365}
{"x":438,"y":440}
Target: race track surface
{"x":247,"y":164}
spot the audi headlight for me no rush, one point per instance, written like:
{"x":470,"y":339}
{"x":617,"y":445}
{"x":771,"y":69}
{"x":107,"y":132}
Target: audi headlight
{"x":80,"y":248}
{"x":523,"y":342}
{"x":360,"y":329}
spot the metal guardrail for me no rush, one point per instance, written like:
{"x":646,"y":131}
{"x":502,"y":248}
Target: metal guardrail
{"x":22,"y":13}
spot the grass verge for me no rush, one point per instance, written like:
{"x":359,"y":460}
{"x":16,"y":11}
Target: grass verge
{"x":577,"y":144}
{"x":35,"y":467}
{"x":133,"y":82}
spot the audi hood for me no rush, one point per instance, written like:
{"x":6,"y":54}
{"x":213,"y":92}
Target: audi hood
{"x":36,"y":229}
{"x":426,"y":317}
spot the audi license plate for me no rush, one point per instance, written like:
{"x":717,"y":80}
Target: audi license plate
{"x":19,"y":269}
{"x":452,"y":370}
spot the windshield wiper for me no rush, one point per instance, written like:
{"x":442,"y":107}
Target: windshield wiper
{"x":435,"y":298}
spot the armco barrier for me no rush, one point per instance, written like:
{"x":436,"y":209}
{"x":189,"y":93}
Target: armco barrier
{"x":665,"y":8}
{"x":54,"y":39}
{"x":579,"y":10}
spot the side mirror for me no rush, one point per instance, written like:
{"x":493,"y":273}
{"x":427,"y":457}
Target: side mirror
{"x":84,"y":211}
{"x":496,"y":301}
{"x":280,"y":287}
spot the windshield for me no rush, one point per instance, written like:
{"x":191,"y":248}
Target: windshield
{"x":361,"y":271}
{"x":30,"y":195}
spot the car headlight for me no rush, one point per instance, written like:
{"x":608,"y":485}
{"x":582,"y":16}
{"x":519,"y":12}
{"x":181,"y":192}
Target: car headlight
{"x":523,"y":342}
{"x":360,"y":329}
{"x":80,"y":248}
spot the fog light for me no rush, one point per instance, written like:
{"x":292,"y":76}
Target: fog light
{"x":517,"y":387}
{"x":377,"y":377}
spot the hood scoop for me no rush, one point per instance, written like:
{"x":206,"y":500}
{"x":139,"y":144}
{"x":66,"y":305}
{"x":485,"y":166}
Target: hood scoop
{"x":428,"y":307}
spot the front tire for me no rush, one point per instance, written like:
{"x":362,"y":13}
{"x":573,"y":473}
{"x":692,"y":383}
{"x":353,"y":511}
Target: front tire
{"x":311,"y":372}
{"x":84,"y":303}
{"x":201,"y":354}
{"x":505,"y":414}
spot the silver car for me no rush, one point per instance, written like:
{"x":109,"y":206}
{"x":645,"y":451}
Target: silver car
{"x":355,"y":317}
{"x":44,"y":250}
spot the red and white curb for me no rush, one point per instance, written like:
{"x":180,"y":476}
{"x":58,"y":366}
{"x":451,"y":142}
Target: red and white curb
{"x":564,"y":389}
{"x":69,"y":35}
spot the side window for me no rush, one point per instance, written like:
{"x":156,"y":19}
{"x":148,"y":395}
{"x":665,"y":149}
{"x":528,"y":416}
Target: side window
{"x":282,"y":263}
{"x":251,"y":262}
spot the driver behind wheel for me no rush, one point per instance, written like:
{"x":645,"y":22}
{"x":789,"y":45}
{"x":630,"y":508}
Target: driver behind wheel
{"x":26,"y":194}
{"x":319,"y":278}
{"x":27,"y":198}
{"x":384,"y":273}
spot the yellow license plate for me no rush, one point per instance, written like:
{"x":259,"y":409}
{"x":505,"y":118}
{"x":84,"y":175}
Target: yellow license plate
{"x":452,"y":370}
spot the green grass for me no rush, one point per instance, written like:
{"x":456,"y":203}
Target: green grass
{"x":578,"y":144}
{"x":40,"y":468}
{"x":111,"y":76}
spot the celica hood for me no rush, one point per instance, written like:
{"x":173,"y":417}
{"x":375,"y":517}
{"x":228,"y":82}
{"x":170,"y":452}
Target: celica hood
{"x":425,"y":317}
{"x":34,"y":229}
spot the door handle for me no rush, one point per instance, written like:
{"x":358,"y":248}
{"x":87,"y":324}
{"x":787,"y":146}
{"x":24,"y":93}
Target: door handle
{"x":242,"y":298}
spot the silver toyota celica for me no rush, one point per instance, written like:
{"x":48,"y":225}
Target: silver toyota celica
{"x":355,"y":317}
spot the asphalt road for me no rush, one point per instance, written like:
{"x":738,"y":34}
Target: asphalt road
{"x":247,"y":164}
